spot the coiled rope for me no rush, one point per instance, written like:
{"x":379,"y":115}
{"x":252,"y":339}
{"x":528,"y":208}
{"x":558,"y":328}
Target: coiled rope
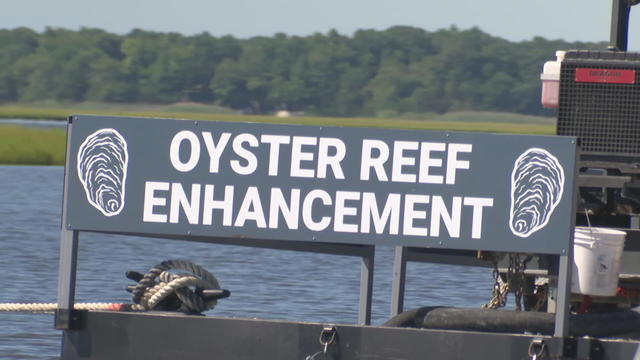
{"x":194,"y":292}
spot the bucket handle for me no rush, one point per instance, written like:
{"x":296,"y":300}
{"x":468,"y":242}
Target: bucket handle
{"x":586,"y":213}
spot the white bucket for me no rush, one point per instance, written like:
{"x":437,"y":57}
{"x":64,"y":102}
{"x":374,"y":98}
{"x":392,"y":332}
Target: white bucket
{"x":596,"y":260}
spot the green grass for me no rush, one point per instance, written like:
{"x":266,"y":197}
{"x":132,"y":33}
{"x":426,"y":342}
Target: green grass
{"x":31,"y":146}
{"x":489,"y":116}
{"x":455,"y":121}
{"x":60,"y":111}
{"x":20,"y":145}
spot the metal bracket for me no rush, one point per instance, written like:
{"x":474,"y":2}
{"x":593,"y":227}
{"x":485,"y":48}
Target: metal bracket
{"x":616,"y":182}
{"x":65,"y":319}
{"x":589,"y":348}
{"x":537,"y":349}
{"x":327,"y":337}
{"x":565,"y":347}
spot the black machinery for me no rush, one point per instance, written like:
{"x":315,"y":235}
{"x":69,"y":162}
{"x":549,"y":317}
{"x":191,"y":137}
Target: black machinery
{"x":599,"y":102}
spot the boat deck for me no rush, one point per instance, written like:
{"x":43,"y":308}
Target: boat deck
{"x":113,"y":335}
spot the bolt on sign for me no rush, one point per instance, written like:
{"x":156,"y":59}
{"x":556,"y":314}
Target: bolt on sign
{"x":324,"y":184}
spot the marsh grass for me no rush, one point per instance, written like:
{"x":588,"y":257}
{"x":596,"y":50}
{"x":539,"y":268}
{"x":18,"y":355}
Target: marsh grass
{"x":60,"y":111}
{"x":20,"y":145}
{"x":458,"y":121}
{"x":31,"y":146}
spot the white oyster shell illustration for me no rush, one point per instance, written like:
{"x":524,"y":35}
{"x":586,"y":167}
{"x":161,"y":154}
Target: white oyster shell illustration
{"x":537,"y":183}
{"x":102,"y":170}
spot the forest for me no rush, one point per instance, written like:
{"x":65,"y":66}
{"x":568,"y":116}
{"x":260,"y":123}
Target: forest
{"x":383,"y":73}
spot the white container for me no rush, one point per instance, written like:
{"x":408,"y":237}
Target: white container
{"x":551,"y":81}
{"x":596,"y":261}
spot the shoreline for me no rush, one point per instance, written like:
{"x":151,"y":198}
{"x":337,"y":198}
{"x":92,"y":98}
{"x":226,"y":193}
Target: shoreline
{"x":42,"y":141}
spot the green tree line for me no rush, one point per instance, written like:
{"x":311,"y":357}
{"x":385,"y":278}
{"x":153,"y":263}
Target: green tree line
{"x":371,"y":73}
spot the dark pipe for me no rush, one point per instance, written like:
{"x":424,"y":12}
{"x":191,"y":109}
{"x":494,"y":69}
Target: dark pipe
{"x":507,"y":321}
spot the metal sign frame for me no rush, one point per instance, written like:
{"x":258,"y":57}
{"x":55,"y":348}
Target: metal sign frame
{"x":83,"y":211}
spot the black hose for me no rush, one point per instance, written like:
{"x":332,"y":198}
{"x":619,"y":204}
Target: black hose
{"x":508,"y":321}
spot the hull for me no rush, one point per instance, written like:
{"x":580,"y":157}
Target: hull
{"x":112,"y":335}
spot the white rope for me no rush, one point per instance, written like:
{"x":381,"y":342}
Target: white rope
{"x":51,"y":307}
{"x":148,"y":293}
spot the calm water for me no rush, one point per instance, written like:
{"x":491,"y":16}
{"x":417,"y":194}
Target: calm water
{"x":56,"y":124}
{"x":263,"y":283}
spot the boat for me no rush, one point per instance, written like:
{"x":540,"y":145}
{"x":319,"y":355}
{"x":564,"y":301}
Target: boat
{"x":527,"y":207}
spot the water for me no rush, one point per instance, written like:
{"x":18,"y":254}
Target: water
{"x":55,"y":124}
{"x":266,"y":284}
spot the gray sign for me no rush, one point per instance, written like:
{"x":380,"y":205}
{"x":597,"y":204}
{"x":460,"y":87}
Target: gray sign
{"x":325,"y":184}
